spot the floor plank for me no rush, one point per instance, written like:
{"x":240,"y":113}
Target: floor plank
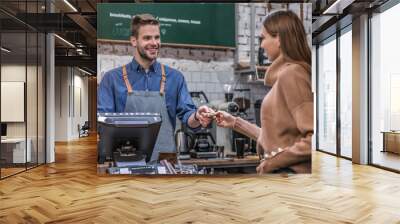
{"x":69,"y":191}
{"x":387,"y":159}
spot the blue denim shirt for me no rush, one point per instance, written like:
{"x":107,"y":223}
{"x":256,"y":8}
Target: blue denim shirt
{"x":112,"y":92}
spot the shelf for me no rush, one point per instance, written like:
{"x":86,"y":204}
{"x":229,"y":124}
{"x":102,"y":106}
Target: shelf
{"x":244,"y":68}
{"x":258,"y":81}
{"x":262,"y":67}
{"x":258,"y":67}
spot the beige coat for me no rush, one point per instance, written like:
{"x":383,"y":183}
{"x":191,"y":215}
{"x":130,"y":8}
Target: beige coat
{"x":286,"y":117}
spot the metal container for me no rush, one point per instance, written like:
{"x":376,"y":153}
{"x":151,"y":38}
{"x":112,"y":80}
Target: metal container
{"x":181,"y":142}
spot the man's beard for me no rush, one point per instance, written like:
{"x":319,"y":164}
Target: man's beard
{"x":143,"y":54}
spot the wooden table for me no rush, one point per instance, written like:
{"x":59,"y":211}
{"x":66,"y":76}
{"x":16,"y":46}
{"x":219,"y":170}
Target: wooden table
{"x":391,"y":141}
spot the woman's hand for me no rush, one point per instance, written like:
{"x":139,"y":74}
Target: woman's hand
{"x":263,"y":167}
{"x":225,"y":119}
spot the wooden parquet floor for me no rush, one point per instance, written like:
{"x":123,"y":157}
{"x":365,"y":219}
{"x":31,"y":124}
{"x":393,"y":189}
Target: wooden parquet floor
{"x":69,"y":191}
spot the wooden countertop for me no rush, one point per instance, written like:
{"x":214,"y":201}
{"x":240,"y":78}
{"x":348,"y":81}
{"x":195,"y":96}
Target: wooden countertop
{"x":225,"y":162}
{"x":248,"y":161}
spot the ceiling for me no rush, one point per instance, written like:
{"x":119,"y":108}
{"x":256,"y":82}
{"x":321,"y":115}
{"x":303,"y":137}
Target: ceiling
{"x":75,"y":21}
{"x":332,"y":15}
{"x":76,"y":25}
{"x":72,"y":20}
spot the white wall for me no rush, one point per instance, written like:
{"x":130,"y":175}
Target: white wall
{"x":15,"y":72}
{"x":70,"y":84}
{"x":80,"y":110}
{"x":34,"y":124}
{"x":61,"y":103}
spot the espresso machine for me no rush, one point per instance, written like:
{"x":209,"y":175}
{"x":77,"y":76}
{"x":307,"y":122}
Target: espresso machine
{"x":203,"y":146}
{"x":198,"y":144}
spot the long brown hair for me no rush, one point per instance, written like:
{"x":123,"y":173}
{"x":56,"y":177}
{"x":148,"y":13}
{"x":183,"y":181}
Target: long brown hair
{"x":290,"y":30}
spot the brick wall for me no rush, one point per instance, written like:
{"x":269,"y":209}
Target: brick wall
{"x":209,"y":73}
{"x":263,"y":9}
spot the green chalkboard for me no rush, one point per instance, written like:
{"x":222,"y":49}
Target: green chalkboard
{"x":211,"y":24}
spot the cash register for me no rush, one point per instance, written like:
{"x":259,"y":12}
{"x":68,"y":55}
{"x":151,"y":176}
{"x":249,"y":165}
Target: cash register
{"x":127,"y":141}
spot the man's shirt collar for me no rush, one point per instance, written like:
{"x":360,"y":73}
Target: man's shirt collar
{"x":137,"y":67}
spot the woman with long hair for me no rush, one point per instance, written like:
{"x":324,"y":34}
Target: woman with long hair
{"x":284,"y":139}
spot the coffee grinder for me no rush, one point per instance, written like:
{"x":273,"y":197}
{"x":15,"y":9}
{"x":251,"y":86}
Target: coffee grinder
{"x":224,"y":135}
{"x":241,"y":143}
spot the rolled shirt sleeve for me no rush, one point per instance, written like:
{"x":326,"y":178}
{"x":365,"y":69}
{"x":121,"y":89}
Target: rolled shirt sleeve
{"x":185,"y":106}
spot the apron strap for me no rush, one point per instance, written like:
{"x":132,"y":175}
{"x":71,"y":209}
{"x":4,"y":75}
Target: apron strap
{"x":162,"y":82}
{"x":128,"y":84}
{"x":125,"y":76}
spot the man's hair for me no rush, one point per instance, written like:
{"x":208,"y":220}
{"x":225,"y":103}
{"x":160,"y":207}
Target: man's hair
{"x":141,"y":20}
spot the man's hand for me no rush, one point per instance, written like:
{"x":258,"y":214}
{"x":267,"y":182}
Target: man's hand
{"x":205,"y":115}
